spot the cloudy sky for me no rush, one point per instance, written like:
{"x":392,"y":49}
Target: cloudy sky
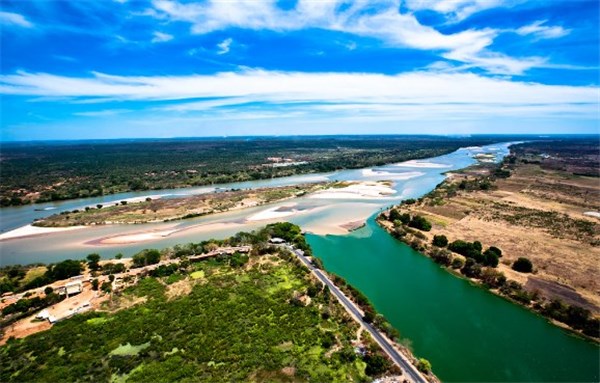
{"x":169,"y":68}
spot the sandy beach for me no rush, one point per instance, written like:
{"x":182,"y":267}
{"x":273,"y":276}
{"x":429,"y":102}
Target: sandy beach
{"x":363,"y":190}
{"x":424,"y":165}
{"x":151,"y":235}
{"x":30,"y":230}
{"x":274,"y":213}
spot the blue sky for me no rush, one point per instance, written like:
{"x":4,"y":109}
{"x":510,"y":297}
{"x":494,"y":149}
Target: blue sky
{"x":166,"y":68}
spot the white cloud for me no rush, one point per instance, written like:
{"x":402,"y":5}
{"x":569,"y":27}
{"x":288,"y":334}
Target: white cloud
{"x":539,"y":30}
{"x":456,"y":10}
{"x":377,"y":97}
{"x":379,"y":19}
{"x":102,"y":113}
{"x":160,"y":37}
{"x":9,"y":18}
{"x":224,"y":46}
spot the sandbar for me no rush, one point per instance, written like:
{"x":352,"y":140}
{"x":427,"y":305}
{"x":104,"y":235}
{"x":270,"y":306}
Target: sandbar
{"x":363,"y":190}
{"x":30,"y":230}
{"x":151,"y":235}
{"x":424,"y":165}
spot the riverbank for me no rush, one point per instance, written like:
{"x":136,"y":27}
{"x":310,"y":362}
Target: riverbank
{"x":488,"y":205}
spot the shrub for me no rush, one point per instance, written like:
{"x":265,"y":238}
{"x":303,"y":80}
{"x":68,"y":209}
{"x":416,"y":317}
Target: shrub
{"x":471,"y":269}
{"x":495,"y":250}
{"x":424,"y":365}
{"x":146,"y":257}
{"x":523,"y":265}
{"x":490,"y":259}
{"x":443,"y":257}
{"x":468,"y":249}
{"x":420,"y":223}
{"x":405,"y":218}
{"x":457,"y":263}
{"x":440,"y":241}
{"x":394,"y":215}
{"x":376,"y":364}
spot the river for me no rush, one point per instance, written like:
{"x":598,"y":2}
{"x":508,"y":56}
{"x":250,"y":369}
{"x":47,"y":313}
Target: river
{"x":467,"y":333}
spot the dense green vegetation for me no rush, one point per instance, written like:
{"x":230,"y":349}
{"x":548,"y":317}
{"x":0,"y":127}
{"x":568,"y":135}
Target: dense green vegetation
{"x":257,"y":317}
{"x":35,"y":172}
{"x":14,"y":278}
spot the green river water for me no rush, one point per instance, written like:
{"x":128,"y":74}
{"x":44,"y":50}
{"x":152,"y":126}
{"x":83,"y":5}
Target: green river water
{"x":467,"y":333}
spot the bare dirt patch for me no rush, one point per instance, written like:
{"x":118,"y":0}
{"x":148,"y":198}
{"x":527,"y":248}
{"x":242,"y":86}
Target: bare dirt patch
{"x":178,"y":289}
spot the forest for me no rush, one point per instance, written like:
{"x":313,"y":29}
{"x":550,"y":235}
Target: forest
{"x":52,"y":171}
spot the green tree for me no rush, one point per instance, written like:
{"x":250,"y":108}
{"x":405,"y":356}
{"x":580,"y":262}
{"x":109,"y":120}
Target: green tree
{"x":523,"y":265}
{"x":63,"y":270}
{"x":376,"y":364}
{"x":495,"y":250}
{"x":394,"y":215}
{"x":424,"y":365}
{"x":490,"y":258}
{"x":440,"y":240}
{"x":93,"y":260}
{"x":146,"y":257}
{"x":419,"y":222}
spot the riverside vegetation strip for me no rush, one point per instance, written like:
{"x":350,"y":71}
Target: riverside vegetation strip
{"x":43,"y":172}
{"x":534,"y":192}
{"x":261,"y":317}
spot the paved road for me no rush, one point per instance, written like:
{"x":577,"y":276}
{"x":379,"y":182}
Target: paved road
{"x":407,"y":368}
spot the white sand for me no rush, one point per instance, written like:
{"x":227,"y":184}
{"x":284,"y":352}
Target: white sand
{"x":272,"y":213}
{"x":374,"y":173}
{"x":592,"y":214}
{"x":364,"y":190}
{"x":424,"y":165}
{"x":136,"y":237}
{"x":29,"y":230}
{"x":151,"y":235}
{"x":131,"y":200}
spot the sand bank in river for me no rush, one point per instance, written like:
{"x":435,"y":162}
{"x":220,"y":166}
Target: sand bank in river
{"x":361,"y":190}
{"x":29,"y":230}
{"x":424,"y":165}
{"x":152,"y":235}
{"x":273,"y":213}
{"x":277,"y":212}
